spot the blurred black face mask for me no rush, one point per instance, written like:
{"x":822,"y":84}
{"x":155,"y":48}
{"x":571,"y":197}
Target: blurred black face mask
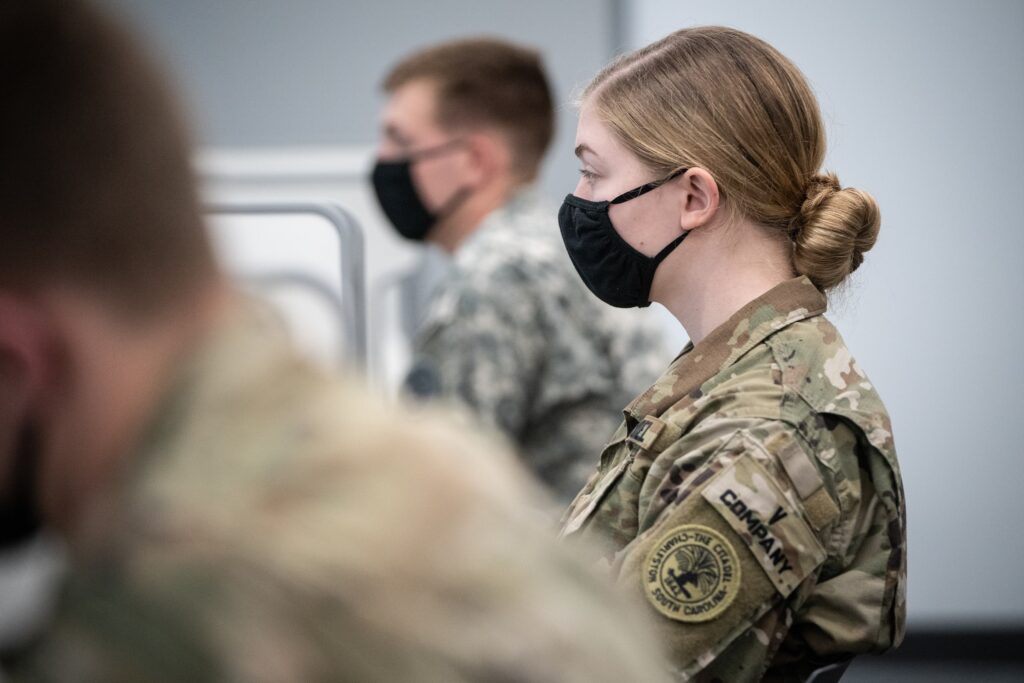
{"x":19,"y":504}
{"x":399,"y":199}
{"x":615,"y":272}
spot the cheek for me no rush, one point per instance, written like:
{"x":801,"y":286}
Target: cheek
{"x":631,"y":226}
{"x":431,"y":178}
{"x":388,"y":150}
{"x":647,"y":227}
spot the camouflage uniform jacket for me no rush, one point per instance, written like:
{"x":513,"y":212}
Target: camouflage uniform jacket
{"x":753,"y":498}
{"x":514,"y":335}
{"x":278,"y":525}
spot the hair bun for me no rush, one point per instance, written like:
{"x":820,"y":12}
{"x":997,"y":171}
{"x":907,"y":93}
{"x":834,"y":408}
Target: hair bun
{"x":819,"y":188}
{"x":833,"y":229}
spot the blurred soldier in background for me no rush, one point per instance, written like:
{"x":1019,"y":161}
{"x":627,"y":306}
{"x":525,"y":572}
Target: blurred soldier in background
{"x":511,"y":331}
{"x":230,"y":513}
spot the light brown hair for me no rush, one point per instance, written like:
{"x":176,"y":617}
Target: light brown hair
{"x":727,"y":102}
{"x":97,"y":188}
{"x":487,"y":82}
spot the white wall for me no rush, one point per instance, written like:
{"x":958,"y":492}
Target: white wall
{"x":276,"y":73}
{"x":924,"y":103}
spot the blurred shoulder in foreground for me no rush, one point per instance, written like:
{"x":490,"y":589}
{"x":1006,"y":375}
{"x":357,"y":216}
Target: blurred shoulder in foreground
{"x":276,"y":525}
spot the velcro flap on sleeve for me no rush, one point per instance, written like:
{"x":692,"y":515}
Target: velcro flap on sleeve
{"x":819,"y":508}
{"x":751,"y":502}
{"x":651,"y":432}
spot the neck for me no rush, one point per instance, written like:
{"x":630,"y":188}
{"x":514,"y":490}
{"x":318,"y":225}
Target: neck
{"x":115,"y":382}
{"x":716,"y":271}
{"x":452,"y":230}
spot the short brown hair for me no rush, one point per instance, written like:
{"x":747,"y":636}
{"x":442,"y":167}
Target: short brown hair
{"x":723,"y":100}
{"x":97,"y":186}
{"x":490,"y":82}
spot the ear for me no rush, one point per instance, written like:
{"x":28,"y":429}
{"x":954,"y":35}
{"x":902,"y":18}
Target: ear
{"x":26,"y":357}
{"x":700,"y":199}
{"x":487,"y":156}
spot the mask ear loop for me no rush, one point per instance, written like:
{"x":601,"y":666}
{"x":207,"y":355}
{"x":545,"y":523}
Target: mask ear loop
{"x":646,"y":187}
{"x":668,"y":249}
{"x":453,"y":203}
{"x":436,"y":150}
{"x":21,"y":510}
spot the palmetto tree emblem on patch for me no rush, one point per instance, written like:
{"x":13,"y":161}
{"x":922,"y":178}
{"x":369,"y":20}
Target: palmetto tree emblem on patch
{"x":697,"y":568}
{"x":692,"y":573}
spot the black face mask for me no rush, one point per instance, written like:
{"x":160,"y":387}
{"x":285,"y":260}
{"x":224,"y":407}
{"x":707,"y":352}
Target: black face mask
{"x":615,"y":272}
{"x":401,"y":203}
{"x":19,"y":505}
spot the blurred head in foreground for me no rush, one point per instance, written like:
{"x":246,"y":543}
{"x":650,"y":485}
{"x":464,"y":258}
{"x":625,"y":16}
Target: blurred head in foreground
{"x":106,"y":273}
{"x":231,"y":513}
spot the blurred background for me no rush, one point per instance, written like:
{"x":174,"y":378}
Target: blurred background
{"x":924,"y":102}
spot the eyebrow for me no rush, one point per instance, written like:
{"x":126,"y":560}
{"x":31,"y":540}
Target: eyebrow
{"x":580,"y":149}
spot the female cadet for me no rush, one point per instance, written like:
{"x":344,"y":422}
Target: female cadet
{"x":752,"y":495}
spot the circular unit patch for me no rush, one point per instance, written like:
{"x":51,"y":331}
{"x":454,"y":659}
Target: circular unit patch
{"x":692,"y":574}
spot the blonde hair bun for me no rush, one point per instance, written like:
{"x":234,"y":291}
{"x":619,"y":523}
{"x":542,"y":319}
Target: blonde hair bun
{"x":833,"y":229}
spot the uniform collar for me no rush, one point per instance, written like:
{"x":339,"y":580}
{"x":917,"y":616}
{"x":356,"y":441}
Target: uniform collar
{"x":523,"y":201}
{"x":779,"y":307}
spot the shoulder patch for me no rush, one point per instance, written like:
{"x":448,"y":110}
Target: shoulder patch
{"x":748,"y":499}
{"x":692,"y":573}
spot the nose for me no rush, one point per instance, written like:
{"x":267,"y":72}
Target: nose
{"x":387,"y":150}
{"x":582,"y":190}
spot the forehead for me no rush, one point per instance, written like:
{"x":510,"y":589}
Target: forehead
{"x":412,"y":106}
{"x":595,"y":141}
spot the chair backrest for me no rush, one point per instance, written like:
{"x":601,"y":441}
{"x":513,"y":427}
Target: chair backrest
{"x":306,"y":259}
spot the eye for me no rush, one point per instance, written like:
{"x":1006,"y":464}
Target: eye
{"x":589,"y":176}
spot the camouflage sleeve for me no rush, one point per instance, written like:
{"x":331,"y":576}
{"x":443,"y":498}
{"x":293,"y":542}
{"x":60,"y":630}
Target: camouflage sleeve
{"x":368,"y":566}
{"x":730,"y":545}
{"x":485,"y":349}
{"x":107,"y":629}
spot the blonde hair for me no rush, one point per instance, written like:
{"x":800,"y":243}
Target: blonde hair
{"x":727,"y":102}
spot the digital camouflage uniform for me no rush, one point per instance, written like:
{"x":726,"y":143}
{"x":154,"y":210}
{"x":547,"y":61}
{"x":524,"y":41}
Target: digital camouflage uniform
{"x":514,"y":334}
{"x":280,"y":526}
{"x":753,"y":500}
